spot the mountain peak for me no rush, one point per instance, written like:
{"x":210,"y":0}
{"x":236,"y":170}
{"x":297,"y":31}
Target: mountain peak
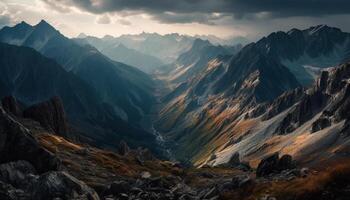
{"x":23,"y":23}
{"x":108,"y":37}
{"x":122,"y":46}
{"x":321,"y":28}
{"x":199,"y":43}
{"x":82,"y":35}
{"x":44,"y":24}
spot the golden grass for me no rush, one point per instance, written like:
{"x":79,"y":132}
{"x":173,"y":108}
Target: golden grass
{"x":331,"y":174}
{"x":96,"y":166}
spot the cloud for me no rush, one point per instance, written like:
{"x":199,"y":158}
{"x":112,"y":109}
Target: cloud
{"x":5,"y":15}
{"x":277,"y":8}
{"x":104,"y":19}
{"x":4,"y":20}
{"x":171,"y":18}
{"x":124,"y":22}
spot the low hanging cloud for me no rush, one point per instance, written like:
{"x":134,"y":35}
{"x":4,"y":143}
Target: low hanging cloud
{"x":5,"y":15}
{"x":124,"y":22}
{"x":104,"y":19}
{"x":4,"y":20}
{"x":182,"y":10}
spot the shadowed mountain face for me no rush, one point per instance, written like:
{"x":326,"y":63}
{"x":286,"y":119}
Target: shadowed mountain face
{"x":126,"y":89}
{"x":32,"y":78}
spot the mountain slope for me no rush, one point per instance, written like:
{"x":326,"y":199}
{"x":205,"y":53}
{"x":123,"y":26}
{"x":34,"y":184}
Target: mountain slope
{"x":33,"y":78}
{"x":192,"y":62}
{"x":119,"y":85}
{"x":198,"y":110}
{"x":310,"y":124}
{"x":202,"y":114}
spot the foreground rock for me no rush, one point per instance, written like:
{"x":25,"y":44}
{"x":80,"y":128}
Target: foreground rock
{"x":55,"y":185}
{"x":18,"y":144}
{"x":28,"y":171}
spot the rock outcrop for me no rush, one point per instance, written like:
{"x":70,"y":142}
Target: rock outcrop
{"x":50,"y":115}
{"x":273,"y":164}
{"x":18,"y":144}
{"x":19,"y":180}
{"x":53,"y":185}
{"x":123,"y":148}
{"x":11,"y":106}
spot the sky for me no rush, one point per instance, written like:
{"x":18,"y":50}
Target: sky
{"x":222,"y":18}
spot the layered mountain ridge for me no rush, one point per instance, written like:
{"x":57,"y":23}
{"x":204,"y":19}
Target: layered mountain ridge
{"x":109,"y":78}
{"x":208,"y":110}
{"x":192,"y":62}
{"x":269,"y":120}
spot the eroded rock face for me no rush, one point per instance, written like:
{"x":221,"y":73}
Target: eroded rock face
{"x":321,"y":123}
{"x":11,"y":106}
{"x":308,"y":107}
{"x":283,"y":102}
{"x":16,"y":143}
{"x":50,"y":115}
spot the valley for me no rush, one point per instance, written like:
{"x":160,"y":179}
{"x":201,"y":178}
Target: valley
{"x":151,"y":116}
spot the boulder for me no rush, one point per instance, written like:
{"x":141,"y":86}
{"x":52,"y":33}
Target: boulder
{"x":8,"y":192}
{"x":19,"y":174}
{"x":143,"y":155}
{"x":123,"y":148}
{"x":53,"y":185}
{"x":241,"y":181}
{"x":268,"y":165}
{"x":118,"y":187}
{"x":212,"y":193}
{"x":273,"y":164}
{"x":321,"y":123}
{"x":50,"y":115}
{"x":17,"y":143}
{"x":145,"y":175}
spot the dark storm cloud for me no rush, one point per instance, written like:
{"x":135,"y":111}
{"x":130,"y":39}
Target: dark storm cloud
{"x":170,"y":18}
{"x":182,"y":10}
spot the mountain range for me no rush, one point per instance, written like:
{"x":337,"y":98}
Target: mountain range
{"x":152,"y":45}
{"x":118,"y":84}
{"x":104,"y":99}
{"x":154,"y":116}
{"x":207,"y":114}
